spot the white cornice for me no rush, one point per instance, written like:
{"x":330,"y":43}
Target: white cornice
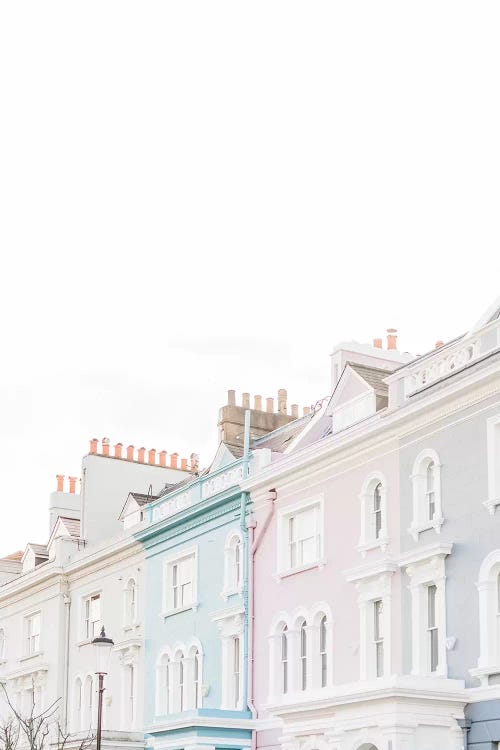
{"x":420,"y":554}
{"x":193,"y":720}
{"x":370,"y":570}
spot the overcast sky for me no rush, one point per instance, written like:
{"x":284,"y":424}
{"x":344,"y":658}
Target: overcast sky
{"x":198,"y":196}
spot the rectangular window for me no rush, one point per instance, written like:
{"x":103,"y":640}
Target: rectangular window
{"x":303,"y":539}
{"x":236,"y":672}
{"x":430,"y":492}
{"x":378,"y":637}
{"x":181,"y":582}
{"x":92,"y":617}
{"x":284,"y":660}
{"x":432,"y":628}
{"x":33,"y":634}
{"x":131,"y":695}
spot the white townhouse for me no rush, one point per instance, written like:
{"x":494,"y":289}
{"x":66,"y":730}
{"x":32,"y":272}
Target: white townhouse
{"x":56,"y":597}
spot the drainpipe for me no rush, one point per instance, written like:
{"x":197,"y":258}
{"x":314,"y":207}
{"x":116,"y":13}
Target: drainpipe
{"x":254,"y":545}
{"x":67,"y":609}
{"x":244,"y":535}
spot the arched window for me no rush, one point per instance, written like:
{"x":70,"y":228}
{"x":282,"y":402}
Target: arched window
{"x":2,"y":644}
{"x":323,"y":652}
{"x":88,"y":703}
{"x":303,"y":655}
{"x":163,"y":685}
{"x":426,"y":481}
{"x":374,"y":528}
{"x":233,"y":564}
{"x":196,"y":677}
{"x":180,"y":683}
{"x":77,"y":706}
{"x":130,"y":603}
{"x":284,"y":659}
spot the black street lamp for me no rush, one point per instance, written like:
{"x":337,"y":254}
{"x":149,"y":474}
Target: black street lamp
{"x":103,"y":652}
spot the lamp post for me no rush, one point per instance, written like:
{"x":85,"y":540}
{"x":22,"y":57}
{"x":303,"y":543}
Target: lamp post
{"x":103,"y":646}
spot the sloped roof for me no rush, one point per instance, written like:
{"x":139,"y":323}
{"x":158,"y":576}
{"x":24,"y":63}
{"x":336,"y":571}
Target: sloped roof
{"x":72,"y":525}
{"x":278,"y":440}
{"x":14,"y":555}
{"x":142,"y":499}
{"x":374,"y":376}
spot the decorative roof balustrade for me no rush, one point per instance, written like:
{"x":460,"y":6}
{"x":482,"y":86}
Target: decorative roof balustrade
{"x":200,"y":489}
{"x":451,"y":358}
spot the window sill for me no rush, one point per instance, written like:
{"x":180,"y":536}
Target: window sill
{"x":171,"y":612}
{"x":491,"y":504}
{"x":417,"y":528}
{"x":226,"y":593}
{"x":31,"y":656}
{"x":381,"y":543}
{"x":483,"y":674}
{"x":301,"y":569}
{"x":130,"y":627}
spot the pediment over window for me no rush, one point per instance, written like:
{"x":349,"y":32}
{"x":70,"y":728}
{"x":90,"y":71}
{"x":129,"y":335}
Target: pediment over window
{"x":360,"y":393}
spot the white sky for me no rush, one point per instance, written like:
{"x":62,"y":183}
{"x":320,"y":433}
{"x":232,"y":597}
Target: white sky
{"x":197,"y":196}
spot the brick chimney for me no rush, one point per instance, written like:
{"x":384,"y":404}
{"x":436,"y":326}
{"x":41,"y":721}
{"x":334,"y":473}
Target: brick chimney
{"x":232,"y":417}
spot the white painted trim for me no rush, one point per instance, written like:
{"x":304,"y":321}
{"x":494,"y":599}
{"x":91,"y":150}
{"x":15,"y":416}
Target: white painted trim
{"x":282,"y":545}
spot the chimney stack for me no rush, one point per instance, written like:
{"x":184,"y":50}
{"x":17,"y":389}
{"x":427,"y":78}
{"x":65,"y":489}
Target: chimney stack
{"x":60,"y":482}
{"x":295,"y":411}
{"x":391,"y":338}
{"x":93,"y":445}
{"x":118,"y":450}
{"x":270,"y":405}
{"x":245,"y":400}
{"x":140,"y":455}
{"x":195,"y":461}
{"x":130,"y":453}
{"x":282,"y":396}
{"x":152,"y":456}
{"x":377,"y":343}
{"x":173,"y":460}
{"x":163,"y":458}
{"x":231,"y":398}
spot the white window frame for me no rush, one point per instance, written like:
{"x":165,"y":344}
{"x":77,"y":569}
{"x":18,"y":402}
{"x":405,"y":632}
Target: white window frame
{"x":32,"y":641}
{"x":230,"y":623}
{"x":420,"y":521}
{"x":368,"y":539}
{"x":78,"y":704}
{"x":373,"y":584}
{"x":488,"y":663}
{"x":233,"y":582}
{"x":284,"y":567}
{"x":426,"y":567}
{"x":168,"y":588}
{"x":130,"y":613}
{"x":91,"y":628}
{"x":493,"y":453}
{"x":164,"y":675}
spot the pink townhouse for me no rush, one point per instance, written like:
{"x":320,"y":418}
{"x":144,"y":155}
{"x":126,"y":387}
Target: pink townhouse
{"x":329,"y":667}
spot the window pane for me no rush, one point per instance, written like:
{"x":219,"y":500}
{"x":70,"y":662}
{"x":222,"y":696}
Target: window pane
{"x":431,"y":606}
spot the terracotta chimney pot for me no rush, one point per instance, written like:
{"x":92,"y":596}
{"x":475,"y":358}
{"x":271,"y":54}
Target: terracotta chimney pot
{"x":163,"y":458}
{"x":184,"y":464}
{"x":306,"y":410}
{"x":130,"y":453}
{"x":295,"y":410}
{"x":72,"y":483}
{"x":245,"y":400}
{"x":152,"y":456}
{"x":173,"y":460}
{"x":392,"y":338}
{"x":105,"y":446}
{"x":60,"y":482}
{"x":118,"y":450}
{"x":439,"y":344}
{"x":257,"y":403}
{"x":140,"y":456}
{"x":93,"y":445}
{"x":270,"y":405}
{"x":231,"y":398}
{"x":377,"y":343}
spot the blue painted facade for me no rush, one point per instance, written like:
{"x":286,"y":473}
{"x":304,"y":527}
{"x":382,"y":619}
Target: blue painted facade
{"x":199,"y":518}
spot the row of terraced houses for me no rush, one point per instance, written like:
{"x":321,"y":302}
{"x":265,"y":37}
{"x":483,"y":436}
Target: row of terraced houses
{"x":330,"y":582}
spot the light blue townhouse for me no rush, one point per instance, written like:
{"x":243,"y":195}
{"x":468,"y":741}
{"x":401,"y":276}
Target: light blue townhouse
{"x":195,"y":538}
